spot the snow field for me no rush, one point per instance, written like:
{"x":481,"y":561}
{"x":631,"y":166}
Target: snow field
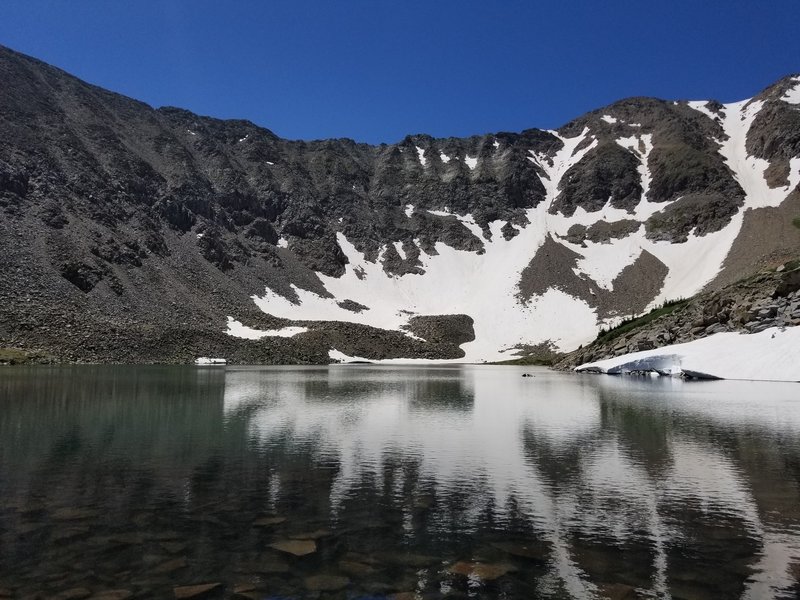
{"x":792,"y":96}
{"x":771,"y":355}
{"x":421,"y":155}
{"x":748,"y":170}
{"x":697,"y":261}
{"x":485,"y":286}
{"x":238,"y":329}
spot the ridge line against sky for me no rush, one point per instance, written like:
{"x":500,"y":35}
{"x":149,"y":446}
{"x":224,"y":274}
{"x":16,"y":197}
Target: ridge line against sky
{"x":375,"y":71}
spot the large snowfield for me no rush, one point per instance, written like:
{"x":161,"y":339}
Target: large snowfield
{"x":771,"y":355}
{"x":486,"y":286}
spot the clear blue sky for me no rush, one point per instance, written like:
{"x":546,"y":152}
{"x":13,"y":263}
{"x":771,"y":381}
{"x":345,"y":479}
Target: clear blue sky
{"x":377,"y":70}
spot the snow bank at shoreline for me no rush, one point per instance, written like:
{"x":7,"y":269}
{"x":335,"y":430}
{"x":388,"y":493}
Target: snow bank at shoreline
{"x":771,"y":355}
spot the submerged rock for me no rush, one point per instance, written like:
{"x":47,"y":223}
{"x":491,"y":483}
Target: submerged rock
{"x":482,"y":571}
{"x":171,"y":566}
{"x":295,"y":547}
{"x":356,"y":569}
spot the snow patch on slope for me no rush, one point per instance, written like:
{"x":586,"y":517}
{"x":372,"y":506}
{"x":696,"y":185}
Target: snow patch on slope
{"x":697,"y":261}
{"x":749,"y":170}
{"x":792,"y":95}
{"x":691,"y":264}
{"x":604,"y":262}
{"x":341,"y":357}
{"x":440,"y":213}
{"x":471,"y":162}
{"x":398,"y":246}
{"x":555,"y":167}
{"x":771,"y":355}
{"x":421,"y":155}
{"x":484,"y":286}
{"x":501,"y":321}
{"x":238,"y":329}
{"x":641,"y":146}
{"x":700,"y":106}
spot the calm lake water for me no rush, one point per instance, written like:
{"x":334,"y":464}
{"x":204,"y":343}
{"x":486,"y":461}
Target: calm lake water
{"x":402,"y":482}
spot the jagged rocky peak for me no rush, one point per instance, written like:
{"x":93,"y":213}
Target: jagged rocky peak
{"x":158,"y":234}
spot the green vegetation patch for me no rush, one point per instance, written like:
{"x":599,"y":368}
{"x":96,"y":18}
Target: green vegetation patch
{"x":796,"y":222}
{"x":606,"y":335}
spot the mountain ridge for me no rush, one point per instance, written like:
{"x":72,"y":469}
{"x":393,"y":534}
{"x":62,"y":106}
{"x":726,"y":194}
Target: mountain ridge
{"x":146,"y":219}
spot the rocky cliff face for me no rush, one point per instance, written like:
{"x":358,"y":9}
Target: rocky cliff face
{"x":129,"y":233}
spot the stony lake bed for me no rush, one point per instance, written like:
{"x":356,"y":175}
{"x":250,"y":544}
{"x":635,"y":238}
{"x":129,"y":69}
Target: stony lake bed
{"x":394,"y":482}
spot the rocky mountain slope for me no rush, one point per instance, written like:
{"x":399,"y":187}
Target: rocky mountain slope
{"x":768,"y":299}
{"x":131,"y":234}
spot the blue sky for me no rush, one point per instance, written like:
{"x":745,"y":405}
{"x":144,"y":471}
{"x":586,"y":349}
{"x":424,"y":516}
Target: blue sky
{"x":377,"y":70}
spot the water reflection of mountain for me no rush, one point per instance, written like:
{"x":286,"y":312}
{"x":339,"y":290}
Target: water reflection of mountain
{"x":584,"y":485}
{"x":649,"y":478}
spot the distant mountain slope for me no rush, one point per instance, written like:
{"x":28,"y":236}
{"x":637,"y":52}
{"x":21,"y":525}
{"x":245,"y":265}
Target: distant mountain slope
{"x":134,"y":234}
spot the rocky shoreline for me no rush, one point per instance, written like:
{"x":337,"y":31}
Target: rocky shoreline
{"x":767,"y":299}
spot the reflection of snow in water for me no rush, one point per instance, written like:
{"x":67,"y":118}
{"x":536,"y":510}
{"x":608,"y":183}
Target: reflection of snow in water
{"x":609,"y":470}
{"x":453,"y":443}
{"x":465,"y":430}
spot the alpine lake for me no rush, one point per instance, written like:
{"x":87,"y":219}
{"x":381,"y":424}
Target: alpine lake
{"x":394,"y":482}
